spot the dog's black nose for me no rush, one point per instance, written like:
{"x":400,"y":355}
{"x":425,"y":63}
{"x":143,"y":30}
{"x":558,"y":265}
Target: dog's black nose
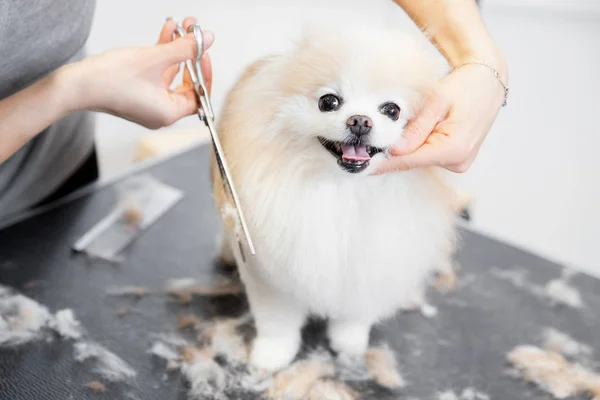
{"x":359,"y":124}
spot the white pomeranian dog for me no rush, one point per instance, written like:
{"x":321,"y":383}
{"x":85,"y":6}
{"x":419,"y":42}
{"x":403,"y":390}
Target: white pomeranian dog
{"x":303,"y":132}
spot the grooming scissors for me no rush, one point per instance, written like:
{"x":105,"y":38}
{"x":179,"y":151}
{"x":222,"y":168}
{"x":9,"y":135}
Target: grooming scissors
{"x":206,"y":115}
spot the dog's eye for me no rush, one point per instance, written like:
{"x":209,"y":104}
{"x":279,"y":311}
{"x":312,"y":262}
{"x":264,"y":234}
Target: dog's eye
{"x":329,"y":102}
{"x":390,"y":110}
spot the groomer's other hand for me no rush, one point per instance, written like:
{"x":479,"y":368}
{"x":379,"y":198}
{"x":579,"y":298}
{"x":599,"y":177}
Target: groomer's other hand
{"x":135,"y":83}
{"x":452,"y":124}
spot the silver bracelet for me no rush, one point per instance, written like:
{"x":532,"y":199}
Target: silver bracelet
{"x":495,"y":73}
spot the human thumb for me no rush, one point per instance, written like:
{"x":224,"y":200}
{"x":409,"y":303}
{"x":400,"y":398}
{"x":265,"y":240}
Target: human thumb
{"x":418,"y":129}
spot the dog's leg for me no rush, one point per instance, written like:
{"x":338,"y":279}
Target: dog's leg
{"x":226,"y":257}
{"x":278,"y":323}
{"x":349,"y":337}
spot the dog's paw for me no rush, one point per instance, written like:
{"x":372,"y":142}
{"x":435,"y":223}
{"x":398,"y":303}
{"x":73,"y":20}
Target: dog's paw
{"x":349,"y":339}
{"x":272,"y":354}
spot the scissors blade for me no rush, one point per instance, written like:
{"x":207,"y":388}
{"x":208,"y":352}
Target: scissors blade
{"x":226,"y":176}
{"x":206,"y":114}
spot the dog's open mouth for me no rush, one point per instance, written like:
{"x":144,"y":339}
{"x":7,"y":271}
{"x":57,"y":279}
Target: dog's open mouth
{"x":352,"y":157}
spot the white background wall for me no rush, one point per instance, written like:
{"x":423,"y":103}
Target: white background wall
{"x":536,"y":183}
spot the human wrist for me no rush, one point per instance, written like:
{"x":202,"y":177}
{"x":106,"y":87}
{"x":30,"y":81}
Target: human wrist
{"x":69,"y":83}
{"x":460,"y":45}
{"x":488,"y":56}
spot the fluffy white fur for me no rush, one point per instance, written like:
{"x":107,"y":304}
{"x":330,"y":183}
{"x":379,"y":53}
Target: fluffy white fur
{"x":349,"y":247}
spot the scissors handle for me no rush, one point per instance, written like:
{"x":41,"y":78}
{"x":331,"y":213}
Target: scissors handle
{"x":194,"y":68}
{"x":200,"y":86}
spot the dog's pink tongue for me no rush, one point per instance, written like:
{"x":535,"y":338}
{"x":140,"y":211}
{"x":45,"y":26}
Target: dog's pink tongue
{"x":352,"y":152}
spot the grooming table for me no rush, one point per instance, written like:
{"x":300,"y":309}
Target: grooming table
{"x":464,"y":345}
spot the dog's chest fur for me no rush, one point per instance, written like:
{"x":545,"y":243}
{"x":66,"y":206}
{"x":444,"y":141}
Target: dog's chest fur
{"x":348,"y":246}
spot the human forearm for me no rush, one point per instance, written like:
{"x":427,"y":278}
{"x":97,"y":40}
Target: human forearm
{"x":457,"y":29}
{"x":131,"y":83}
{"x":29,"y":111}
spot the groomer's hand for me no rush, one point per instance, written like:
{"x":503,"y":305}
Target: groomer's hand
{"x":135,"y":83}
{"x":456,"y":117}
{"x":452,"y":124}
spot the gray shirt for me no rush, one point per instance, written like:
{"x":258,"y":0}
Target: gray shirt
{"x":36,"y":37}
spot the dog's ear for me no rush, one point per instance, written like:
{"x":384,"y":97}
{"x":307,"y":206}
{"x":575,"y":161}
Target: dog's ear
{"x":309,"y":35}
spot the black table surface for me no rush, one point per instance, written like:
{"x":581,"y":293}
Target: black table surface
{"x":464,"y":345}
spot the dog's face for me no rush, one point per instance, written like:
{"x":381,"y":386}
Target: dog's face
{"x":355,"y":123}
{"x":353,"y":94}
